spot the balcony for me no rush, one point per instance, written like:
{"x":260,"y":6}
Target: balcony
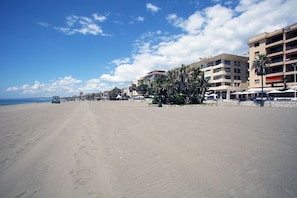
{"x":274,"y":54}
{"x":291,"y":57}
{"x":291,"y":46}
{"x":275,"y":40}
{"x":274,"y":49}
{"x":290,"y":67}
{"x":291,"y":34}
{"x":272,"y":70}
{"x":276,"y":60}
{"x":291,"y":39}
{"x":274,"y":43}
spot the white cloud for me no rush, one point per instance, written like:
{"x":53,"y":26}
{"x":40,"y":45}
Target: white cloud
{"x":84,"y":25}
{"x":28,"y":89}
{"x":246,"y":5}
{"x":63,"y":86}
{"x":216,"y":29}
{"x":12,"y":89}
{"x":121,"y":61}
{"x":195,"y":3}
{"x":94,"y":85}
{"x":140,"y":18}
{"x":67,"y":80}
{"x":66,"y":84}
{"x":191,"y":25}
{"x":99,"y":18}
{"x":136,"y":19}
{"x":153,"y":8}
{"x":44,"y":24}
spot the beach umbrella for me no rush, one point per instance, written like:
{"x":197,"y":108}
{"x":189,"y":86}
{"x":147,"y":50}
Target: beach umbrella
{"x":274,"y":91}
{"x":290,"y":91}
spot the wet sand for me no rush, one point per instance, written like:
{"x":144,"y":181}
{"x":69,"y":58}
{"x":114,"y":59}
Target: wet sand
{"x":130,"y":149}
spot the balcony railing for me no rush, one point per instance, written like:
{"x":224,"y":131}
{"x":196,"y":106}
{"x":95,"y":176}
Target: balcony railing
{"x":274,"y":39}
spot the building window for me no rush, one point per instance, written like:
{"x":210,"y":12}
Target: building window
{"x":227,"y":62}
{"x":227,"y":84}
{"x":257,"y":81}
{"x":209,"y":64}
{"x":227,"y":69}
{"x":217,"y":77}
{"x":236,"y":63}
{"x":236,"y":70}
{"x":218,"y":62}
{"x":227,"y":77}
{"x":256,"y":44}
{"x":217,"y":70}
{"x":236,"y":77}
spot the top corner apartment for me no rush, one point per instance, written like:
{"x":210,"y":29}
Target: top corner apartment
{"x":281,"y":47}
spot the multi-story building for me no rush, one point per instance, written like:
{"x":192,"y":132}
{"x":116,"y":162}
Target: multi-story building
{"x":226,"y":74}
{"x":148,"y":78}
{"x":281,"y":47}
{"x":151,"y":76}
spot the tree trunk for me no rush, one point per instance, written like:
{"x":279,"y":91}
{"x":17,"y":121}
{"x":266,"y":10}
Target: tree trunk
{"x":262,"y":102}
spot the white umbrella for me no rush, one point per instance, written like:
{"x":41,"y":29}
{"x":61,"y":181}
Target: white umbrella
{"x":290,"y":91}
{"x":274,"y":91}
{"x":246,"y":92}
{"x":251,"y":92}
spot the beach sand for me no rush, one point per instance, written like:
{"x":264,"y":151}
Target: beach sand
{"x":130,"y":149}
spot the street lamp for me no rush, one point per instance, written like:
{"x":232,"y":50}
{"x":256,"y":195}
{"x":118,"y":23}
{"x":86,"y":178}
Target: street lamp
{"x":294,"y":65}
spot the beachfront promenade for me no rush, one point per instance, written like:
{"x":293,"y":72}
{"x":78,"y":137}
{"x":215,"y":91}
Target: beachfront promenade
{"x":130,"y":149}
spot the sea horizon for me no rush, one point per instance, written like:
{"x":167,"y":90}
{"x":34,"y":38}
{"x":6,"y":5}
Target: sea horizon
{"x":14,"y":101}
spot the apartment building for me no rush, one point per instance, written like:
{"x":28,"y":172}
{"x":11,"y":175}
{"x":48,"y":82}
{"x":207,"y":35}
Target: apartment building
{"x":281,"y":47}
{"x":226,"y":73}
{"x":148,"y":78}
{"x":151,"y":76}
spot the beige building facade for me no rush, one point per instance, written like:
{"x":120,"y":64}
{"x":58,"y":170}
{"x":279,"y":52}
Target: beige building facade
{"x":226,"y":74}
{"x":281,"y":47}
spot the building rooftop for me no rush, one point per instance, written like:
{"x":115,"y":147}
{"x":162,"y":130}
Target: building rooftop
{"x":270,"y":34}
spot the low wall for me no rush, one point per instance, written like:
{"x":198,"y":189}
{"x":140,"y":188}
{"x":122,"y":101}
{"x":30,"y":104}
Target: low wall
{"x":270,"y":103}
{"x":290,"y":104}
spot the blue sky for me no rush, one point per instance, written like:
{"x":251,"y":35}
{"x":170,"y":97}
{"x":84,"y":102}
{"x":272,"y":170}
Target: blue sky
{"x":62,"y":47}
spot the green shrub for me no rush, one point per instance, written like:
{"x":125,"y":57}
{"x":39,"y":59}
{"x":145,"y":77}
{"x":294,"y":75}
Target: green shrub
{"x":179,"y":100}
{"x":155,"y":100}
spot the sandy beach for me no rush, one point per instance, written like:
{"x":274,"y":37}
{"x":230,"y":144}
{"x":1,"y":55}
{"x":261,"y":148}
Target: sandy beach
{"x":129,"y":149}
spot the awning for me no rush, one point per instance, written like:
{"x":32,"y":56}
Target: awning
{"x":274,"y":79}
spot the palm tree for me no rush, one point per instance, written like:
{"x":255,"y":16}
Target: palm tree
{"x":260,"y":64}
{"x":182,"y":78}
{"x":132,"y":88}
{"x":183,"y":85}
{"x":171,"y":84}
{"x":114,"y":93}
{"x":204,"y":87}
{"x":196,"y":86}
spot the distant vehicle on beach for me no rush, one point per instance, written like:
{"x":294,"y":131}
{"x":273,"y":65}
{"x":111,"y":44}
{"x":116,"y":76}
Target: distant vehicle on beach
{"x":56,"y":99}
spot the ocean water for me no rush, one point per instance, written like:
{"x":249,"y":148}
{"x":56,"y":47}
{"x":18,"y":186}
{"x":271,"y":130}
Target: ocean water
{"x":23,"y":101}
